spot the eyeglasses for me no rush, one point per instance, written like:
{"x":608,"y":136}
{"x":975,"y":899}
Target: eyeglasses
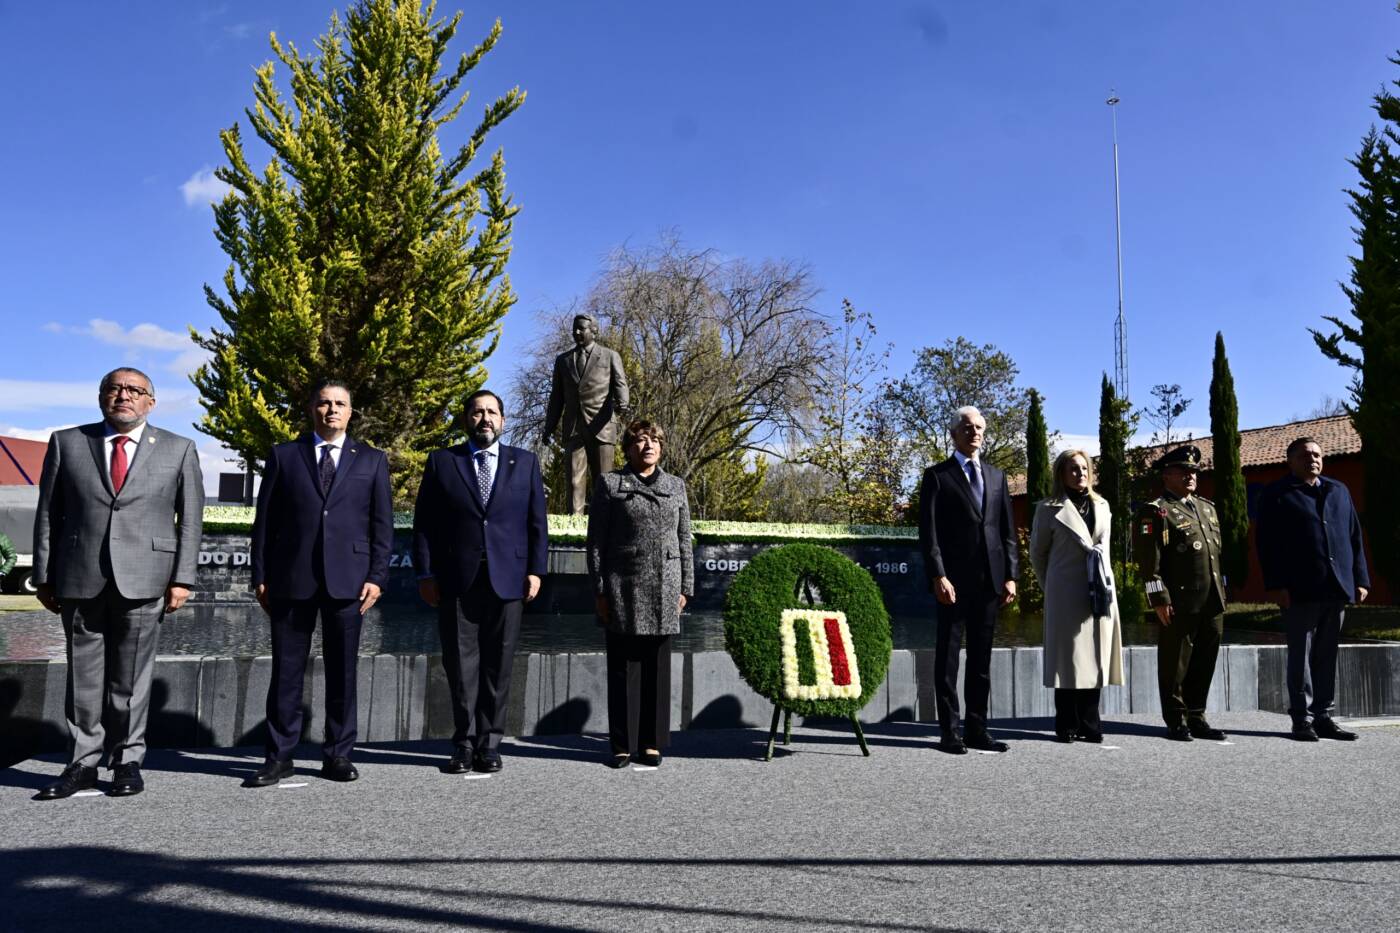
{"x":135,"y":392}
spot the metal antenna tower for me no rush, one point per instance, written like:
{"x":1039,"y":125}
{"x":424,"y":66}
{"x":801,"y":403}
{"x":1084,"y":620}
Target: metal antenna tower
{"x":1120,"y":325}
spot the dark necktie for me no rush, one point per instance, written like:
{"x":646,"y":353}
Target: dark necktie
{"x":483,"y":476}
{"x":327,"y":467}
{"x":119,"y":462}
{"x":974,"y":477}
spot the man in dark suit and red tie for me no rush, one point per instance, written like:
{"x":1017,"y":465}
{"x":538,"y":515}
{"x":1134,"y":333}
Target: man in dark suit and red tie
{"x":116,"y":543}
{"x":321,"y":541}
{"x":481,"y":546}
{"x":968,"y":540}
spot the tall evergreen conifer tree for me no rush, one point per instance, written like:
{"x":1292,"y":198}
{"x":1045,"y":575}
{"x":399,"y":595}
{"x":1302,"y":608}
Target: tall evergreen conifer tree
{"x":1373,"y":336}
{"x":1230,"y":500}
{"x":360,"y":251}
{"x":1114,"y":472}
{"x":1038,"y":479}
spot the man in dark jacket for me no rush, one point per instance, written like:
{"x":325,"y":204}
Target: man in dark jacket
{"x":1310,"y":549}
{"x":481,"y":547}
{"x":320,"y":549}
{"x":968,"y":541}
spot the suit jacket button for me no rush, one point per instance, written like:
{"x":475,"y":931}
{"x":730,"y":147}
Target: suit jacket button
{"x":485,"y":522}
{"x":326,"y":512}
{"x":116,"y":508}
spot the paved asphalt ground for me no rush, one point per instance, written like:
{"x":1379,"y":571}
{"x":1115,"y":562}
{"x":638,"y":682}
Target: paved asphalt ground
{"x":1262,"y":833}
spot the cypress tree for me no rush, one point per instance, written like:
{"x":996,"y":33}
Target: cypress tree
{"x":360,"y":251}
{"x":1374,"y":336}
{"x":1114,"y":479}
{"x":1038,"y":479}
{"x":1230,"y":501}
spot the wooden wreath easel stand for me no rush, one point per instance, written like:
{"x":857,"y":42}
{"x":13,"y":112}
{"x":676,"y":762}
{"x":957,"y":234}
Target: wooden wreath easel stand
{"x":787,"y":732}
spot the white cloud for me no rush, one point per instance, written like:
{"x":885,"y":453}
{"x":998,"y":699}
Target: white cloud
{"x":39,"y":395}
{"x":142,"y":336}
{"x":31,"y":434}
{"x":1089,"y":443}
{"x":203,"y":188}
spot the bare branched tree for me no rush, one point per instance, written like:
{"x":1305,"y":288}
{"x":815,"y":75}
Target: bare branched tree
{"x":722,"y":352}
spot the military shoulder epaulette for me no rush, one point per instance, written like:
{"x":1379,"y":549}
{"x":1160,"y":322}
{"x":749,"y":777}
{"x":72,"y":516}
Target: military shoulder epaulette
{"x":1206,"y":501}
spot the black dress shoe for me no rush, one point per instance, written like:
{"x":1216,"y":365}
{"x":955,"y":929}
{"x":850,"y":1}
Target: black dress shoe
{"x":617,"y":760}
{"x":487,"y":761}
{"x":1303,"y":732}
{"x":73,"y":779}
{"x":1179,"y":733}
{"x":270,"y":773}
{"x":1094,"y":736}
{"x":1065,"y":737}
{"x":459,"y":763}
{"x":126,"y":780}
{"x":952,"y":744}
{"x":1327,"y":729}
{"x":985,"y":743}
{"x":1203,"y":730}
{"x":650,"y":759}
{"x":338,"y":769}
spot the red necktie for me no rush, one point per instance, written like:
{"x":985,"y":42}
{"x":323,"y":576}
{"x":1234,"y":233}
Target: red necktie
{"x":119,"y":462}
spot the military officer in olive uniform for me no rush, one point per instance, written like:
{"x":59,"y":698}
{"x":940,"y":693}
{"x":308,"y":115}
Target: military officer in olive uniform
{"x":1176,"y":540}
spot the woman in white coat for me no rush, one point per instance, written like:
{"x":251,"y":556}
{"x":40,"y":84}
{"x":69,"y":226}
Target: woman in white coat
{"x":1083,"y":640}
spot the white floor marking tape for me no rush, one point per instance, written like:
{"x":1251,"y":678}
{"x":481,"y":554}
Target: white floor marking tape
{"x":980,"y":751}
{"x":475,"y":777}
{"x":298,"y":784}
{"x":1225,"y":742}
{"x":1111,"y":748}
{"x":88,"y":793}
{"x":643,"y":768}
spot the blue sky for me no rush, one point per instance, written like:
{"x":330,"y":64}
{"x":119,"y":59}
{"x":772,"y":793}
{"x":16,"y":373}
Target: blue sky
{"x":946,"y":166}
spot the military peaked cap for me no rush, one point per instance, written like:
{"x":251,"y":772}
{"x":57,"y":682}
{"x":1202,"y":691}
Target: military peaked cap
{"x":1188,"y":456}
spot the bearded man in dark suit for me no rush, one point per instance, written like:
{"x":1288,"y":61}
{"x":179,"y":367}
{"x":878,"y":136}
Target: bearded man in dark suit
{"x":968,"y":540}
{"x":481,"y":547}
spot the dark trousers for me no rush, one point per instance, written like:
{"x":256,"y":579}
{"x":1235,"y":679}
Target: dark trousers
{"x":1314,"y":629}
{"x":974,"y":614}
{"x":293,"y":622}
{"x":639,"y":692}
{"x":1186,"y":654}
{"x":111,"y":642}
{"x":1077,"y":711}
{"x":479,"y":631}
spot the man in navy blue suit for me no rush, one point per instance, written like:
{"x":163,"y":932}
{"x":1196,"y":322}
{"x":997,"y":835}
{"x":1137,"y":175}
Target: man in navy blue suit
{"x":1310,"y":550}
{"x":481,"y":545}
{"x":321,"y":541}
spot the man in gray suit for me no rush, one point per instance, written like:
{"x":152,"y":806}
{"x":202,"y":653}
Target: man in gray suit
{"x":116,"y":543}
{"x":588,"y":391}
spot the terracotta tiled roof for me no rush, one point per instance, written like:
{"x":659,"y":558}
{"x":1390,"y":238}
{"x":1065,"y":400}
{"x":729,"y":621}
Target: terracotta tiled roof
{"x":21,"y":461}
{"x":1267,"y":446}
{"x":1260,"y":446}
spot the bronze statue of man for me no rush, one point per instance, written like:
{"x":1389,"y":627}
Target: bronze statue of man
{"x":589,"y":390}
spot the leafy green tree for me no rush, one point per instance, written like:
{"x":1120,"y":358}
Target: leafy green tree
{"x":359,"y":251}
{"x":942,"y":380}
{"x":1230,"y":500}
{"x":1038,"y":478}
{"x":1117,"y":424}
{"x":1372,"y":338}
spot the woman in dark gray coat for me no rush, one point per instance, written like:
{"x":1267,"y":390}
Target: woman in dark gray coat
{"x":640,"y":562}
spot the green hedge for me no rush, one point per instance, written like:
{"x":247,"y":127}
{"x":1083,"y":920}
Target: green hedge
{"x":573,"y":529}
{"x":770,"y":583}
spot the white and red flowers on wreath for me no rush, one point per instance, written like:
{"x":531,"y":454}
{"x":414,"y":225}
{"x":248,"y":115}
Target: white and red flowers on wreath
{"x":837,"y":673}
